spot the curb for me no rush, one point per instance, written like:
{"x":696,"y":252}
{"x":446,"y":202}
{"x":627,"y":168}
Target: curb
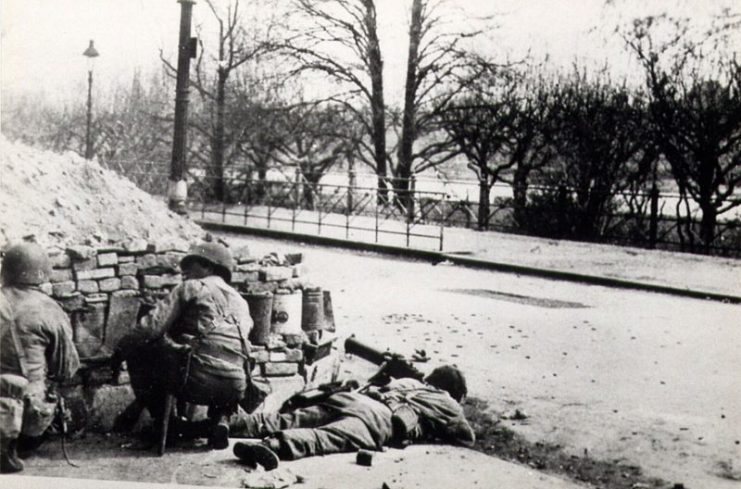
{"x":437,"y":257}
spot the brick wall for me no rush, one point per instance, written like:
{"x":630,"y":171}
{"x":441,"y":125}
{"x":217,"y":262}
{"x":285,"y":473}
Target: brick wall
{"x":102,"y":289}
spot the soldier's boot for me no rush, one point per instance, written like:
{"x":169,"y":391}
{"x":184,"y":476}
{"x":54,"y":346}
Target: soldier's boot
{"x":252,"y":453}
{"x":125,"y":422}
{"x":218,"y":438}
{"x":9,"y":461}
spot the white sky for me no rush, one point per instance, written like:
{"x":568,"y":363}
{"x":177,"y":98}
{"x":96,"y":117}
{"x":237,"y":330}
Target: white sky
{"x":43,"y":40}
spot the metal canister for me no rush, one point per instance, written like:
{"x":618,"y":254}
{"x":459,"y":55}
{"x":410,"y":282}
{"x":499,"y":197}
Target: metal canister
{"x":286,"y":317}
{"x":312,"y":309}
{"x":261,"y":309}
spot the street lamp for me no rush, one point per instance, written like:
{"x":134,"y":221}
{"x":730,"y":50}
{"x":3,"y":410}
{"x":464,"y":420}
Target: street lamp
{"x":90,"y":53}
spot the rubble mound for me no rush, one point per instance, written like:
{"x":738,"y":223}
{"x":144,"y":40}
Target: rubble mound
{"x":62,"y":199}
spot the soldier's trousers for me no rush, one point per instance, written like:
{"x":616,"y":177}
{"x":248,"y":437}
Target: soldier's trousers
{"x":316,"y":430}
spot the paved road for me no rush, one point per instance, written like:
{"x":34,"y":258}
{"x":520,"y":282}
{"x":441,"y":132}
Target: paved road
{"x":641,"y":377}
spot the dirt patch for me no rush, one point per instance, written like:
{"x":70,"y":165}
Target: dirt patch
{"x":494,"y":439}
{"x":61,"y":199}
{"x":519,"y":299}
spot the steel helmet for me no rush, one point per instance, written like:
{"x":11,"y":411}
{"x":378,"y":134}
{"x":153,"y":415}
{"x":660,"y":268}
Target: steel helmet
{"x":215,"y":254}
{"x":449,"y":379}
{"x":25,"y":264}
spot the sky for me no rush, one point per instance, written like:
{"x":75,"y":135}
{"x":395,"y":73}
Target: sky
{"x":43,"y":40}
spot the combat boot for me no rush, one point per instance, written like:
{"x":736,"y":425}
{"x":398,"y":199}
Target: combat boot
{"x":256,"y":453}
{"x":9,"y":461}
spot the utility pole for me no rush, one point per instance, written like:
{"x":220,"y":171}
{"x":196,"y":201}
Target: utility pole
{"x":177,"y":192}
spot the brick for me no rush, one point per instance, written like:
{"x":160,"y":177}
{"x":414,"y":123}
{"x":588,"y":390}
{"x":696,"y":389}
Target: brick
{"x":137,"y":246}
{"x":109,"y":284}
{"x":273,"y":274}
{"x":152,"y":281}
{"x":96,"y":298}
{"x":247,"y":267}
{"x":287,"y":355}
{"x":61,"y":275}
{"x":85,"y":265}
{"x":62,"y":289}
{"x":81,"y":253}
{"x":242,"y":254}
{"x":271,"y":369}
{"x":96,"y":274}
{"x":129,"y":282}
{"x":107,"y":259}
{"x":126,"y":259}
{"x":294,"y":258}
{"x":170,"y":280}
{"x":128,"y":269}
{"x":168,"y":262}
{"x":87,"y":286}
{"x":106,"y":404}
{"x":261,"y":356}
{"x":74,"y":302}
{"x":245,"y":277}
{"x":46,"y":288}
{"x":60,"y":259}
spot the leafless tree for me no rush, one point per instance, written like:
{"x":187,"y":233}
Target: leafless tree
{"x":694,"y":83}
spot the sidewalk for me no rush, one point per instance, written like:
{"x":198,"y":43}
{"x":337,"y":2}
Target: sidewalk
{"x":660,"y":271}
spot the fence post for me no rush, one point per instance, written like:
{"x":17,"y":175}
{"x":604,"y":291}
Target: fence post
{"x":296,"y":198}
{"x":653,"y":229}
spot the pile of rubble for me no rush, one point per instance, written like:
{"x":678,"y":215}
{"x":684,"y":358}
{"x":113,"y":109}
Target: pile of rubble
{"x":62,"y":199}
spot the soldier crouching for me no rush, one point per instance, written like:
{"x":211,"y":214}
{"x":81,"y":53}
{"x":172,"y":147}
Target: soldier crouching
{"x":36,"y":352}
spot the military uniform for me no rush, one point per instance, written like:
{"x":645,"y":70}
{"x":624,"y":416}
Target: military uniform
{"x":349,"y":421}
{"x":214,"y":321}
{"x":49,"y":356}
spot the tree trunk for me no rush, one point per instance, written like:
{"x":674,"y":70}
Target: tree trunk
{"x":519,"y":194}
{"x":218,"y":186}
{"x":408,"y":123}
{"x":377,"y":103}
{"x":484,"y":206}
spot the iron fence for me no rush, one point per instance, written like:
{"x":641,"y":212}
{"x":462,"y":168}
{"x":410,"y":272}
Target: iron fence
{"x":418,"y":217}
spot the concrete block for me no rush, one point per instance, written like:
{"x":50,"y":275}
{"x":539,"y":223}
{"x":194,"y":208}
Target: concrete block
{"x":96,"y":298}
{"x":46,"y":288}
{"x":81,"y":253}
{"x":87,"y":286}
{"x":245,"y":277}
{"x":241,"y":254}
{"x":61,"y":275}
{"x":126,"y":259}
{"x":74,"y":302}
{"x":59,"y":258}
{"x":323,"y":371}
{"x":287,"y":355}
{"x":107,"y":402}
{"x":137,"y":246}
{"x":129,"y":282}
{"x":151,"y":262}
{"x":273,"y":274}
{"x":62,"y":289}
{"x":107,"y":259}
{"x":271,"y":369}
{"x":122,"y":312}
{"x":260,"y":356}
{"x":89,"y":327}
{"x":248,"y":267}
{"x":152,"y":281}
{"x":109,"y":284}
{"x":127,"y":269}
{"x":171,"y":280}
{"x":84,"y":265}
{"x":96,"y":274}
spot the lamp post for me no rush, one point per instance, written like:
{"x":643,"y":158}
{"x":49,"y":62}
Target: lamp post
{"x":90,"y":53}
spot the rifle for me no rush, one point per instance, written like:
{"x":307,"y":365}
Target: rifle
{"x":61,"y":413}
{"x":391,"y":364}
